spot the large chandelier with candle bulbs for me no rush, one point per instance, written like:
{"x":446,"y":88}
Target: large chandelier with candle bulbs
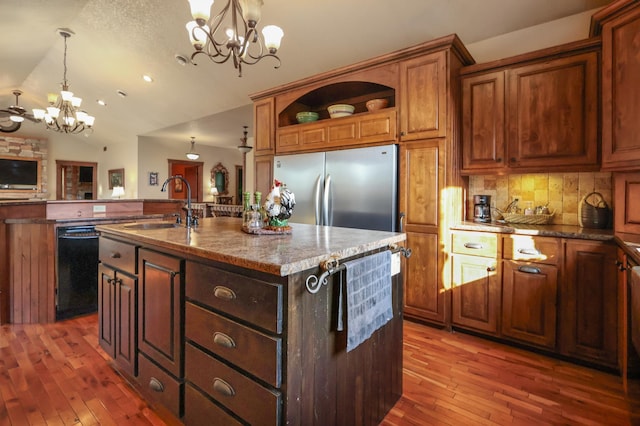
{"x":63,"y":113}
{"x":232,"y":33}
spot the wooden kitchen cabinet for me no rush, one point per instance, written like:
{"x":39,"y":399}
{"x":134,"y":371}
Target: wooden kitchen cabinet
{"x":423,"y":97}
{"x":535,"y":112}
{"x":263,"y":173}
{"x":619,"y":25}
{"x":476,"y":282}
{"x":263,"y":127}
{"x":530,"y":289}
{"x":117,"y":292}
{"x":421,"y":166}
{"x":589,"y":303}
{"x":626,"y":187}
{"x":483,"y":122}
{"x":160,"y":328}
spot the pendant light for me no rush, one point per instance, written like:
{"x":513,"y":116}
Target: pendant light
{"x":192,"y":155}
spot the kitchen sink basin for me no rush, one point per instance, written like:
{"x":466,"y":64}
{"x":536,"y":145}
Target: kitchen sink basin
{"x":152,"y":225}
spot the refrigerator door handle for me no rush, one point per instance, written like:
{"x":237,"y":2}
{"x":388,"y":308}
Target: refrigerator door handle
{"x":317,"y":200}
{"x":325,"y":200}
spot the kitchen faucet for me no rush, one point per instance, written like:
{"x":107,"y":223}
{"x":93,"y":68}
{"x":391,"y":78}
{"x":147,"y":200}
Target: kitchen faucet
{"x":191,"y":220}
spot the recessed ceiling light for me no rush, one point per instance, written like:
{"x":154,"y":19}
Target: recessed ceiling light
{"x":101,"y":102}
{"x":182,"y":60}
{"x":147,"y":78}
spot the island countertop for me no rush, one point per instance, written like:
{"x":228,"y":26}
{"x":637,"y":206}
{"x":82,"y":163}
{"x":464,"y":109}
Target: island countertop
{"x":222,"y":239}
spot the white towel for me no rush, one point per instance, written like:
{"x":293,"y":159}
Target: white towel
{"x":369,"y":304}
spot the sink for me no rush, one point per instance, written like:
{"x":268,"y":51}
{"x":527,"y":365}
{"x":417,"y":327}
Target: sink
{"x":152,"y":225}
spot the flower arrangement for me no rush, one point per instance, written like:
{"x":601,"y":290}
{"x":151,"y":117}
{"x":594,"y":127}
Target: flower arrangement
{"x":279,"y":205}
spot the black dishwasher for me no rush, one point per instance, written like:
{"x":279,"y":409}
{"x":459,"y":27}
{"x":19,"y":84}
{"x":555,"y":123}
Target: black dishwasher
{"x":77,"y":262}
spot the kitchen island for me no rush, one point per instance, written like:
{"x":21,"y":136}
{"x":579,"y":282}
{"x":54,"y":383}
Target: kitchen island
{"x":216,"y":326}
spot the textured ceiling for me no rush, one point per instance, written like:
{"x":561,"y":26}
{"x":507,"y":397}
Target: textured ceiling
{"x":116,"y":41}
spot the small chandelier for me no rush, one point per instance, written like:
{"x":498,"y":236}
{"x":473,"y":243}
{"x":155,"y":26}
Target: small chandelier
{"x":239,"y":39}
{"x":63,"y":114}
{"x":192,"y":155}
{"x":244,"y":148}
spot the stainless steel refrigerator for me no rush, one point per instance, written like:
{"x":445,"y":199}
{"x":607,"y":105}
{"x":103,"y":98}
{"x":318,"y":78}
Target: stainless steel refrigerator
{"x":353,"y":188}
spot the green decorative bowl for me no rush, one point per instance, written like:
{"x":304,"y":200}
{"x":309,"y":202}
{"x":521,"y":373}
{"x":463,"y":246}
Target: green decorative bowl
{"x":306,"y":116}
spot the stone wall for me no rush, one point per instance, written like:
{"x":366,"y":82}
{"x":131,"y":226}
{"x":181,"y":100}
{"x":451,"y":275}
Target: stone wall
{"x":26,"y":148}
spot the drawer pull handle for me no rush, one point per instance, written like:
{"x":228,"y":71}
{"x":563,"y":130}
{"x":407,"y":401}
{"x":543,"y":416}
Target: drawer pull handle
{"x":156,"y":385}
{"x":474,"y":246}
{"x":529,"y":269}
{"x":224,"y":293}
{"x":223,"y":340}
{"x":529,"y":251}
{"x":223,"y":387}
{"x":115,"y":255}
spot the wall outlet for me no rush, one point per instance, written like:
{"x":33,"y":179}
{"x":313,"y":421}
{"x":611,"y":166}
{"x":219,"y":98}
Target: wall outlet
{"x":100,"y":209}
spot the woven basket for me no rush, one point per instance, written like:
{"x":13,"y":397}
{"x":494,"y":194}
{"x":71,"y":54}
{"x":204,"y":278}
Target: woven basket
{"x":528,"y":219}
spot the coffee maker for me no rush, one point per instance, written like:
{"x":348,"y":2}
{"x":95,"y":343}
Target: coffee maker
{"x":482,"y":208}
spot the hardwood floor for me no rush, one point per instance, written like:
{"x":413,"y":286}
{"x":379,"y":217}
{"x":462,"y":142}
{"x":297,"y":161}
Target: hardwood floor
{"x":56,"y":374}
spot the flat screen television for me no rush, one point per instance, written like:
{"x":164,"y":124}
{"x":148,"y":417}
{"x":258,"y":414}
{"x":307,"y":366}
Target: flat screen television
{"x":20,"y":174}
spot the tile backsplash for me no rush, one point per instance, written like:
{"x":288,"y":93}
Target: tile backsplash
{"x":563,"y":191}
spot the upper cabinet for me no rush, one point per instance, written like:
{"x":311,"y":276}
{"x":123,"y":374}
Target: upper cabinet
{"x":532,"y":113}
{"x":263,"y":127}
{"x":619,"y":25}
{"x":423,"y":97}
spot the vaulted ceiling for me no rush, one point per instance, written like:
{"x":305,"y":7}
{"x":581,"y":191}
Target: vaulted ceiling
{"x":117,"y":41}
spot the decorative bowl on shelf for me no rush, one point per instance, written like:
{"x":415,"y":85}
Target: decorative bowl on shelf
{"x":376,"y":104}
{"x":307,"y":116}
{"x":340,"y":110}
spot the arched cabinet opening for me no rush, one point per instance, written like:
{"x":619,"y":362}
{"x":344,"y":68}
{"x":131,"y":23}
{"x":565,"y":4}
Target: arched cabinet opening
{"x":356,"y":93}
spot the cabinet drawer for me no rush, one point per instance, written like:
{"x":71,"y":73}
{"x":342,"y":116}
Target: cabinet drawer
{"x":119,"y":255}
{"x":255,"y":301}
{"x":475,"y":243}
{"x":250,"y":350}
{"x":526,"y":247}
{"x":200,"y":410}
{"x":255,"y":403}
{"x":160,"y":386}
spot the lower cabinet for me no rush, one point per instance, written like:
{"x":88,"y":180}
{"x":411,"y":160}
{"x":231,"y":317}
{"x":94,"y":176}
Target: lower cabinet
{"x":529,"y":296}
{"x":589,"y":295}
{"x":160,"y":328}
{"x":476,"y":282}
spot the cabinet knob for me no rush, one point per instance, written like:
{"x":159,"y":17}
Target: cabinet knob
{"x":499,"y":160}
{"x":223,"y":340}
{"x":225,"y":293}
{"x":223,"y":387}
{"x":156,"y":385}
{"x":491,"y":268}
{"x":115,"y":255}
{"x":512,"y":159}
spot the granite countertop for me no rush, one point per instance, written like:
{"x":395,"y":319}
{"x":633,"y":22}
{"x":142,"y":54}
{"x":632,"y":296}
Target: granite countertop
{"x":119,"y":217}
{"x":221,"y":239}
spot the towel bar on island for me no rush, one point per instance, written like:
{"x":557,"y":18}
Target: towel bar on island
{"x":333,"y":265}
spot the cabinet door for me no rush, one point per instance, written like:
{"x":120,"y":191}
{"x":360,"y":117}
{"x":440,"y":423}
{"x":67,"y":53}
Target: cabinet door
{"x":423,"y":97}
{"x":621,"y":92}
{"x":529,"y":295}
{"x":552,"y":113}
{"x":483,"y":126}
{"x":263,"y":174}
{"x":263,"y":127}
{"x":627,"y":201}
{"x":420,"y":169}
{"x":126,"y":354}
{"x":160,"y":333}
{"x":589,"y":296}
{"x":476,"y":293}
{"x":106,"y":309}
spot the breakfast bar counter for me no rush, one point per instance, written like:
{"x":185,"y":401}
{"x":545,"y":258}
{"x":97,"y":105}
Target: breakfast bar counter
{"x":217,"y":326}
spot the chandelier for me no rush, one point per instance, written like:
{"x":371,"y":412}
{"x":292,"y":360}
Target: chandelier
{"x":63,"y":114}
{"x":192,"y":155}
{"x":244,"y":148}
{"x":239,"y":39}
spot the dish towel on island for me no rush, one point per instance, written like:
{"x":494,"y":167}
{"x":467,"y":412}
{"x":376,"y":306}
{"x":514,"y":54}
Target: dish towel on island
{"x":369,"y":304}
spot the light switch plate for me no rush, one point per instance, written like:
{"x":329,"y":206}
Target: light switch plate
{"x":99,"y":209}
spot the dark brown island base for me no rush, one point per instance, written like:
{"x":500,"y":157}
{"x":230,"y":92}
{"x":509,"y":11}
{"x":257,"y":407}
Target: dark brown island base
{"x":216,"y":326}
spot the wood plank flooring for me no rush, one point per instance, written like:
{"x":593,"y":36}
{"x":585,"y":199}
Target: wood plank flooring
{"x":56,"y":374}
